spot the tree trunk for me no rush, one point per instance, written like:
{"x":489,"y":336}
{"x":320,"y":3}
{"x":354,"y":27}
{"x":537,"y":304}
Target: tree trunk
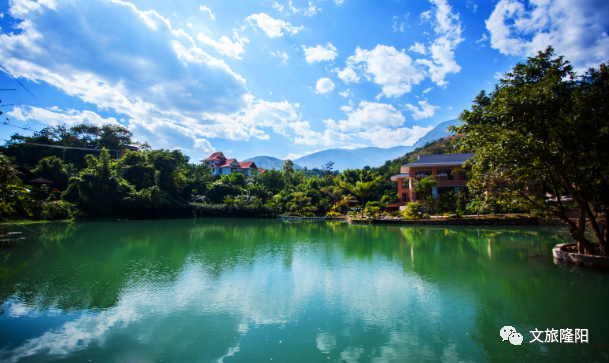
{"x":598,"y":232}
{"x":363,"y":204}
{"x":583,"y":245}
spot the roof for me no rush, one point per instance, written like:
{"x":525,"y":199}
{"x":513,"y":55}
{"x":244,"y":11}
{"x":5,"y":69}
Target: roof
{"x":261,"y":170}
{"x":400,"y":176}
{"x":29,"y":177}
{"x":215,"y":156}
{"x":439,"y":160}
{"x":248,"y":164}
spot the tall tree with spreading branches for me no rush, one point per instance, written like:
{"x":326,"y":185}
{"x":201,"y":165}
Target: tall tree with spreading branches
{"x":545,"y":129}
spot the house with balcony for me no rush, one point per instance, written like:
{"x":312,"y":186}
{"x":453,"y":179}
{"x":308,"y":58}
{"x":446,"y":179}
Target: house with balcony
{"x":220,"y":165}
{"x":446,"y":168}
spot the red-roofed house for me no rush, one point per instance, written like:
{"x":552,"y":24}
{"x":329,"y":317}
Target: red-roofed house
{"x":220,"y":165}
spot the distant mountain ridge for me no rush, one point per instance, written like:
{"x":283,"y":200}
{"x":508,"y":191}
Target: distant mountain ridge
{"x":352,"y":159}
{"x":356,"y":158}
{"x":269,"y":162}
{"x":437,"y":133}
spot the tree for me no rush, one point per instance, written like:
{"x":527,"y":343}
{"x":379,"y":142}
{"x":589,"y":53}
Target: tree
{"x":288,"y":169}
{"x":14,"y":196}
{"x":546,"y":129}
{"x":361,"y":189}
{"x":425,"y":187}
{"x":273,"y":180}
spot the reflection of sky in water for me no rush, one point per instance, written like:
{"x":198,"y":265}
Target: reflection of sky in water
{"x":374,"y":294}
{"x":205,"y":292}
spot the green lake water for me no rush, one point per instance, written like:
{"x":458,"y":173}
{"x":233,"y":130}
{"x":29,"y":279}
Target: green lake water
{"x":255,"y":290}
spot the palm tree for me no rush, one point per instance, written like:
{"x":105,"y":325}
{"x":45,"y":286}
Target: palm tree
{"x":425,"y":187}
{"x":361,"y":189}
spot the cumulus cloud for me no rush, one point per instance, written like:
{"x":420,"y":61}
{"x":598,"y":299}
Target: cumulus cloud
{"x":273,"y":27}
{"x":392,"y":69}
{"x":369,"y":116}
{"x":403,"y":136}
{"x":576,"y":29}
{"x":320,"y":53}
{"x":225,"y":45}
{"x":306,"y":136}
{"x":427,"y":89}
{"x":207,"y":10}
{"x":447,"y":27}
{"x":424,"y":111}
{"x":348,"y":74}
{"x":324,"y":85}
{"x":418,"y":48}
{"x":55,"y":116}
{"x":170,"y":91}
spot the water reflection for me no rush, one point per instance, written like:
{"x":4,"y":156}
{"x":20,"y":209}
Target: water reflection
{"x":252,"y":290}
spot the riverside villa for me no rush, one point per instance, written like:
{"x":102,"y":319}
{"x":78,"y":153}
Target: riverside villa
{"x":220,"y":165}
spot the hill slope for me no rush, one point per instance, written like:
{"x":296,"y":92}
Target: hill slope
{"x":269,"y":162}
{"x":438,"y":132}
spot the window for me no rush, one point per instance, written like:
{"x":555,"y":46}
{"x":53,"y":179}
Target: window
{"x":422,"y":173}
{"x":446,"y":174}
{"x":405,"y":183}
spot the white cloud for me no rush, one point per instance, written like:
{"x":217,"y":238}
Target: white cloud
{"x":484,"y":38}
{"x":273,"y":27}
{"x":576,"y":29}
{"x":324,"y":85}
{"x":450,"y":108}
{"x":346,"y":93}
{"x":170,"y":92}
{"x":426,"y":110}
{"x":207,"y":10}
{"x":320,"y":53}
{"x":225,"y":45}
{"x":369,"y":116}
{"x":418,"y":48}
{"x":403,"y":136}
{"x":56,"y":116}
{"x":427,"y":89}
{"x":294,"y":10}
{"x":306,"y":136}
{"x":339,"y":2}
{"x":392,"y":69}
{"x":348,"y":74}
{"x":471,"y":5}
{"x":311,"y":10}
{"x":447,"y":27}
{"x":283,"y":55}
{"x":498,"y":75}
{"x":278,"y":6}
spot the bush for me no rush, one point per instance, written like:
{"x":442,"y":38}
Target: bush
{"x":57,"y":210}
{"x":372,"y":211}
{"x":395,"y":214}
{"x":412,"y":211}
{"x":333,"y":214}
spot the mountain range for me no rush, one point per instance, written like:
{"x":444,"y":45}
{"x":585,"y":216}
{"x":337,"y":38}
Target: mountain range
{"x":356,"y":158}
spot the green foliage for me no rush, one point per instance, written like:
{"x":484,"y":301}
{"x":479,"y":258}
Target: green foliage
{"x":14,"y":196}
{"x":544,"y":129}
{"x":57,"y":210}
{"x":110,"y":136}
{"x":372,"y":211}
{"x":394,"y":214}
{"x":53,"y":169}
{"x":412,"y":211}
{"x":333,"y":214}
{"x":273,"y":180}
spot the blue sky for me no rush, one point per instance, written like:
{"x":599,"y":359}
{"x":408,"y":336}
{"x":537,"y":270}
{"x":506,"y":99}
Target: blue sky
{"x":278,"y":78}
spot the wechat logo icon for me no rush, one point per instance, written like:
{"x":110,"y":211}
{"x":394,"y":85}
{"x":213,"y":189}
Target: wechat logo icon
{"x":509,"y":333}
